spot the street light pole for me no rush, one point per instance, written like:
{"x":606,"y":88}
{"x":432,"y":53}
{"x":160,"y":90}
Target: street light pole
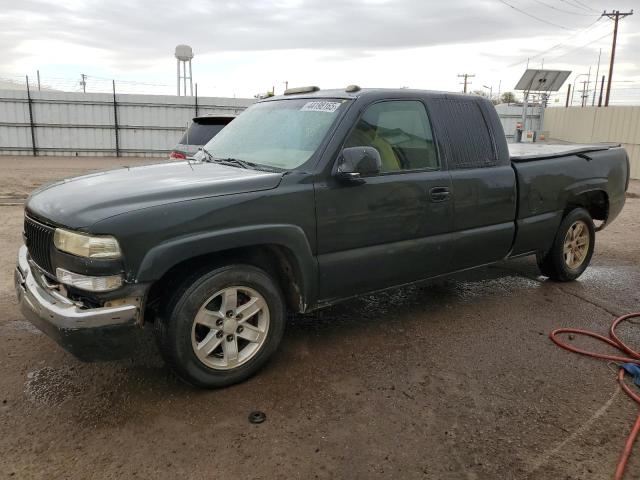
{"x":573,"y":88}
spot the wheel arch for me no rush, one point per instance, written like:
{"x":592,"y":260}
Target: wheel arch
{"x":281,"y":250}
{"x":596,"y":202}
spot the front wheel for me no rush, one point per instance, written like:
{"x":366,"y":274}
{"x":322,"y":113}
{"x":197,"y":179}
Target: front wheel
{"x":572,"y":248}
{"x":220,"y":327}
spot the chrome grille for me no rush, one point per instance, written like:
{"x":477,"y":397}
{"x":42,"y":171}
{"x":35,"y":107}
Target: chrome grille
{"x":39,"y":240}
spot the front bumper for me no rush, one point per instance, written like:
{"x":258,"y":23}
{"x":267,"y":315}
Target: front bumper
{"x":90,"y":334}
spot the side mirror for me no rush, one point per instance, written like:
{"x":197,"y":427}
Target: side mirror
{"x":358,"y":162}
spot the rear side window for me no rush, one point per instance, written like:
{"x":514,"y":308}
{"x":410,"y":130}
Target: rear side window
{"x":401,"y":133}
{"x":199,"y":134}
{"x":463,"y":133}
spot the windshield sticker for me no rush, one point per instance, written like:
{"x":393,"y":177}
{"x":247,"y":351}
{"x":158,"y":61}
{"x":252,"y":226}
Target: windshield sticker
{"x":328,"y":107}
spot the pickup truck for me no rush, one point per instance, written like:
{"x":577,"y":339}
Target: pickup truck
{"x":304,"y":200}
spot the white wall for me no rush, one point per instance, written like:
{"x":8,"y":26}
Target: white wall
{"x":83,"y":123}
{"x":598,"y":124}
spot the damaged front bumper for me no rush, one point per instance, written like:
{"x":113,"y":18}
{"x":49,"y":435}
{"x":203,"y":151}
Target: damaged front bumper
{"x":90,"y":334}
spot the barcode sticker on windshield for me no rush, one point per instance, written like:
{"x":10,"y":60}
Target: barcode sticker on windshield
{"x":328,"y":107}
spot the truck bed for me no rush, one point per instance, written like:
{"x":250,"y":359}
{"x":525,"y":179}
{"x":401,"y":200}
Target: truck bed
{"x":551,"y":177}
{"x":525,"y":152}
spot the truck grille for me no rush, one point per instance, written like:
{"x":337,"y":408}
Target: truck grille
{"x":39,"y":240}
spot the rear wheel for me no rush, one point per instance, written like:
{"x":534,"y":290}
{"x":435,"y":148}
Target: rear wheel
{"x":572,"y":248}
{"x":220,"y":327}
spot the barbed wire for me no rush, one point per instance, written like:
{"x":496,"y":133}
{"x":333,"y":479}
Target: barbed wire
{"x":92,"y":84}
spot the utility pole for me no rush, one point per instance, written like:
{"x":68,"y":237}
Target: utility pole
{"x":585,"y":102}
{"x":601,"y":88}
{"x":595,"y":82}
{"x":615,"y":15}
{"x":585,"y":94}
{"x":466,"y":82}
{"x":83,"y":82}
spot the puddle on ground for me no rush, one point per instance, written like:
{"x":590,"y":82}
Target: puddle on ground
{"x":612,"y":277}
{"x":50,"y":386}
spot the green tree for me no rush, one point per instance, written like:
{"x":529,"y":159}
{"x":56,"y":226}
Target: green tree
{"x":508,"y":97}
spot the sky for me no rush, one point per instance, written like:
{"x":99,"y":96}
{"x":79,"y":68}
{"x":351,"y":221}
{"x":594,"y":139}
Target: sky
{"x":249,"y":47}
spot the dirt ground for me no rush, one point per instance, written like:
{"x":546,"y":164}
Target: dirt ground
{"x":456,"y":380}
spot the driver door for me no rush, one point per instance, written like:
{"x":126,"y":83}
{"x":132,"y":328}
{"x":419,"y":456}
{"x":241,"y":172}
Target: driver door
{"x":395,"y":227}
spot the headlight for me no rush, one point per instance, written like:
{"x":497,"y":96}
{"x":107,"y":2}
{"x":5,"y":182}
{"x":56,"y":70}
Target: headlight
{"x":92,"y":284}
{"x":86,"y":245}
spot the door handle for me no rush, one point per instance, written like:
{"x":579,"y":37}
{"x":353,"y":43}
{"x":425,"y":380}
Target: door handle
{"x":439,"y":194}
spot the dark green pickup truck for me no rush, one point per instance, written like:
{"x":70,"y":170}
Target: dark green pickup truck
{"x":304,"y":200}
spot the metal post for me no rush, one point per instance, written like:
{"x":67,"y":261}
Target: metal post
{"x":595,"y":82}
{"x":178,"y":86}
{"x":543,"y":105}
{"x":184,"y":77}
{"x":190,"y":78}
{"x":585,"y":101}
{"x":601,"y":88}
{"x":525,"y":106}
{"x":196,"y":99}
{"x":31,"y":125}
{"x":115,"y":119}
{"x":566,"y":105}
{"x":38,"y":72}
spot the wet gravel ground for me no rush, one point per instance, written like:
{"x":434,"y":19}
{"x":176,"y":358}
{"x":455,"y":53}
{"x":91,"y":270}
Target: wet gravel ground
{"x":454,"y":380}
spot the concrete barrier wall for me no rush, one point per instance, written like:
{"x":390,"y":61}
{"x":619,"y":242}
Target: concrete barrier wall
{"x":85,"y":123}
{"x":592,"y":124}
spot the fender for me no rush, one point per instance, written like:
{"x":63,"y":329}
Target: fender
{"x":581,"y":187}
{"x":166,"y":255}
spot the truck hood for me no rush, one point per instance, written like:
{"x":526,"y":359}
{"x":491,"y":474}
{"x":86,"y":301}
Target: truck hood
{"x":82,"y":201}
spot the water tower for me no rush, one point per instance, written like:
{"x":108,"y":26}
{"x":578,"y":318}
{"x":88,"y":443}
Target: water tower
{"x":184,"y":54}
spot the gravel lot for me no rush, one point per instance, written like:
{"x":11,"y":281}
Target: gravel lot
{"x":455,"y":380}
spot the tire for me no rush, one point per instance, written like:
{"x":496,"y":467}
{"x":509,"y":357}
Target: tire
{"x":199,"y":315}
{"x":566,"y":262}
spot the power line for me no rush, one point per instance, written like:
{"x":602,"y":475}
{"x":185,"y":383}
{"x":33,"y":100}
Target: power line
{"x":533,"y":16}
{"x":562,"y":43}
{"x":587,"y":7}
{"x":563,"y":10}
{"x":132,"y":82}
{"x":581,"y":46}
{"x":581,"y":7}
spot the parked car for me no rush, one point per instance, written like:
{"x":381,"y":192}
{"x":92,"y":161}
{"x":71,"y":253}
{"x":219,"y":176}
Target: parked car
{"x":201,"y":130}
{"x":305,"y":200}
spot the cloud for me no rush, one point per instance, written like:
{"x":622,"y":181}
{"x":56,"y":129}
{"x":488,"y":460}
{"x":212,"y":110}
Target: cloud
{"x":400,"y":42}
{"x":138,"y":30}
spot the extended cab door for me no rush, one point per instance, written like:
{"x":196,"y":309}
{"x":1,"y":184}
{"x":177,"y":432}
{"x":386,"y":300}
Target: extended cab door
{"x":483,"y":180}
{"x":395,"y":227}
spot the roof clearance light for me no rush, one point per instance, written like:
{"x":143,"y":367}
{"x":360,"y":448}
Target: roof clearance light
{"x":352,"y":88}
{"x":293,"y":91}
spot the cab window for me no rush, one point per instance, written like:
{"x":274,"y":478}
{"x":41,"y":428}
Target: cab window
{"x":401,"y":133}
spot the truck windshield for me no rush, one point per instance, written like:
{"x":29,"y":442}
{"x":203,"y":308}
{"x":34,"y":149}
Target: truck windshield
{"x":280,"y":133}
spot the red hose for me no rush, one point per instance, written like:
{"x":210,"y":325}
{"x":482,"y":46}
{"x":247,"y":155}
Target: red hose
{"x":634,"y":357}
